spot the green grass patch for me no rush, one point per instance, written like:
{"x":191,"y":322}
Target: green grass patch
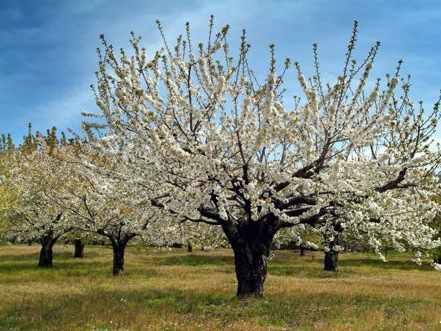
{"x":176,"y":290}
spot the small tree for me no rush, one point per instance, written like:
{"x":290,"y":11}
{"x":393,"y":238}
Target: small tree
{"x":78,"y":239}
{"x":7,"y":194}
{"x":101,"y":204}
{"x":396,"y":206}
{"x":35,"y":178}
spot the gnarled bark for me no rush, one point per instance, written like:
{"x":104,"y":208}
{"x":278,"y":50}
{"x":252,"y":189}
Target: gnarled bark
{"x":251,"y":243}
{"x":79,"y":248}
{"x":46,"y":253}
{"x":118,"y":257}
{"x":251,"y":269}
{"x":331,"y":254}
{"x":119,"y":245}
{"x":331,"y":260}
{"x":189,"y":247}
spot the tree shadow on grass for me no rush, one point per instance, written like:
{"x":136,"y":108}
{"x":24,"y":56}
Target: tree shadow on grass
{"x":122,"y":307}
{"x":65,"y":273}
{"x":307,"y":271}
{"x":195,"y":260}
{"x":18,"y":258}
{"x":63,"y":255}
{"x":285,"y":265}
{"x":277,"y":267}
{"x":393,"y":264}
{"x":32,"y":263}
{"x":27,"y":268}
{"x":59,"y":267}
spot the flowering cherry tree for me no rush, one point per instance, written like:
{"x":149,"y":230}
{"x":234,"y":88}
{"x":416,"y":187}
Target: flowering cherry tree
{"x":35,"y":178}
{"x":211,"y":143}
{"x":7,"y":195}
{"x":98,"y":203}
{"x":396,"y":180}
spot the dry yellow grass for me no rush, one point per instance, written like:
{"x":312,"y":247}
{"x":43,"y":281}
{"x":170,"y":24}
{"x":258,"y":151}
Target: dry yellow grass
{"x":178,"y":291}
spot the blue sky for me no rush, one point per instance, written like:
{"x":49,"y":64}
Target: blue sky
{"x":48,"y":59}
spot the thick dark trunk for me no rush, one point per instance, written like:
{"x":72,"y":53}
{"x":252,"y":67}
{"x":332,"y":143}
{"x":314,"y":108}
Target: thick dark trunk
{"x":119,"y":248}
{"x":331,"y":260}
{"x":189,"y":247}
{"x":251,"y":246}
{"x":251,"y":270}
{"x":46,"y":254}
{"x":302,"y":250}
{"x":79,"y":248}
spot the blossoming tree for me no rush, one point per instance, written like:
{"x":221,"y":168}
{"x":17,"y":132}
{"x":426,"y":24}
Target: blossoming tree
{"x":7,"y":194}
{"x":226,"y":149}
{"x":99,"y":203}
{"x":35,"y":178}
{"x":395,"y":179}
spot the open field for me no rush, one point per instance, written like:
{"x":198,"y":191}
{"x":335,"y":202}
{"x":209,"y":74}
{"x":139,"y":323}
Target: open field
{"x":180,"y":291}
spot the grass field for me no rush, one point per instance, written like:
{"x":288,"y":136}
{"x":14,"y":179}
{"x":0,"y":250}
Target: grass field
{"x":180,"y":291}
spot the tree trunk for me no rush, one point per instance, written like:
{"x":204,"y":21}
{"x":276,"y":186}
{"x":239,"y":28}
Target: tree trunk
{"x":119,"y":248}
{"x":189,"y":247}
{"x":79,"y":248}
{"x":46,"y":254}
{"x":331,"y":260}
{"x":251,"y":245}
{"x":302,"y":250}
{"x":251,"y":270}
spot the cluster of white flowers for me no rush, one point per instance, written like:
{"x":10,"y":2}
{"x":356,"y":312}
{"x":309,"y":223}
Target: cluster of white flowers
{"x":34,"y":177}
